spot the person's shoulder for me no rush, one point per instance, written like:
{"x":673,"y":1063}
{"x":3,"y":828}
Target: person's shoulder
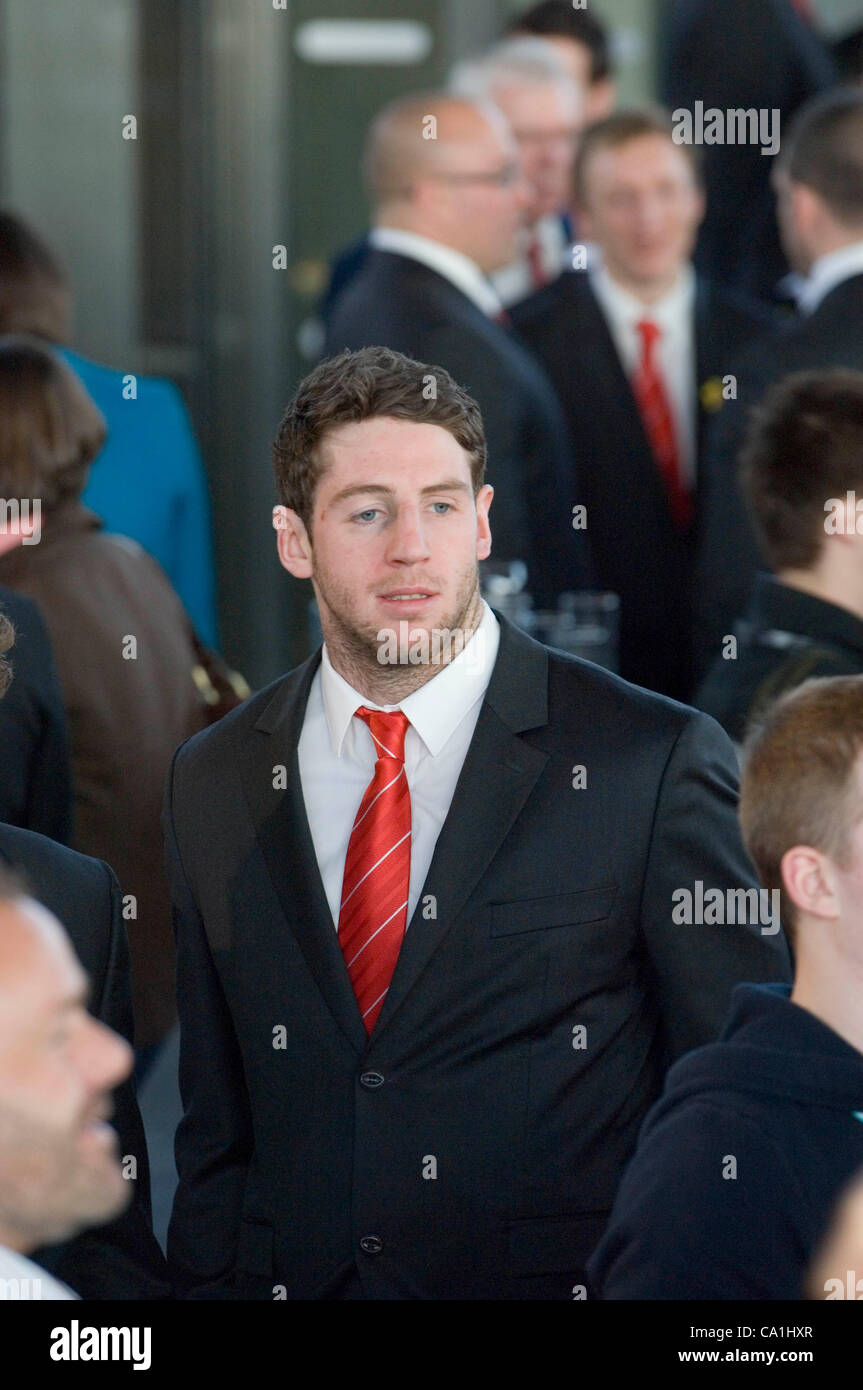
{"x":734,"y":307}
{"x":48,"y":864}
{"x":265,"y":708}
{"x":118,"y":386}
{"x":588,"y":695}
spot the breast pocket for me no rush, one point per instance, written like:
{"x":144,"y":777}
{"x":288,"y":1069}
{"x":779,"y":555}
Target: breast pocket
{"x":561,"y":910}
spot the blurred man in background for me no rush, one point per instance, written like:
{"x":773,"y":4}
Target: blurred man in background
{"x":819,"y":181}
{"x":59,"y":1169}
{"x":450,"y":200}
{"x":582,"y":42}
{"x":802,"y":473}
{"x":531,"y":85}
{"x":743,"y":54}
{"x":636,"y":348}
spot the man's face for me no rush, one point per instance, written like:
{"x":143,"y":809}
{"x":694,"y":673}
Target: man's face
{"x":600,"y":96}
{"x":477,"y":196}
{"x":545,"y":119}
{"x":396,"y":533}
{"x":59,"y":1171}
{"x":643,"y":206}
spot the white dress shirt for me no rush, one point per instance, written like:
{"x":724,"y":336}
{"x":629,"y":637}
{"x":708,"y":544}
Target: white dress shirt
{"x":828,"y":272}
{"x":675,"y":317}
{"x":337,"y":755}
{"x":21,"y":1279}
{"x":459,"y":269}
{"x":515,"y":281}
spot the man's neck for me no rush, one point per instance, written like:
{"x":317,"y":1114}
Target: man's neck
{"x":824,"y":586}
{"x":830,"y":988}
{"x":12,"y":1240}
{"x":388,"y":683}
{"x":645,"y":291}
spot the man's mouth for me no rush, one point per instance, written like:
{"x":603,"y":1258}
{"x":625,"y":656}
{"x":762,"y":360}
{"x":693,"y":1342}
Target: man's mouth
{"x":407,"y":595}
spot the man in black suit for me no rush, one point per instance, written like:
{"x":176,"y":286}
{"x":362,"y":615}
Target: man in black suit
{"x":758,"y":55}
{"x":429,"y":975}
{"x":640,"y":201}
{"x":35,"y":786}
{"x":805,"y":619}
{"x":819,"y":181}
{"x":450,"y":200}
{"x":122,"y":1259}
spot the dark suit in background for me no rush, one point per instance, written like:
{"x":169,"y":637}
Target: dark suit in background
{"x":396,"y":302}
{"x":637,"y":550}
{"x":728,"y":556}
{"x":301,"y":1159}
{"x":122,"y":1259}
{"x":786,"y":637}
{"x":35,"y":786}
{"x":733,"y":54}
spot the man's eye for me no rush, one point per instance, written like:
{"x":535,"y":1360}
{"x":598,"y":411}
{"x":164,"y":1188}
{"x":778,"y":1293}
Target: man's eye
{"x":368,"y":515}
{"x":447,"y":507}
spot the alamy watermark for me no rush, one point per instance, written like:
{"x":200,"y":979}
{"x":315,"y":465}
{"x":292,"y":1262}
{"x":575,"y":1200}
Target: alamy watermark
{"x":757,"y":907}
{"x":736,"y":125}
{"x":21,"y":516}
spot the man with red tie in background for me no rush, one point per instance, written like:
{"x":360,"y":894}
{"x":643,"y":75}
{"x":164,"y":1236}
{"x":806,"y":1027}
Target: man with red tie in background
{"x":637,"y":348}
{"x":427,"y":987}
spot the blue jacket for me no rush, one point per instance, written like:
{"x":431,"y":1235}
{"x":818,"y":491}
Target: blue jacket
{"x":149,"y":483}
{"x":740,"y":1163}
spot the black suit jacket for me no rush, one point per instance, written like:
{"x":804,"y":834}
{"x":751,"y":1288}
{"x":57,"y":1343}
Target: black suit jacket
{"x":765,"y":665}
{"x":728,"y":555}
{"x":35,"y":785}
{"x":122,"y":1259}
{"x":742,"y":54}
{"x":637,"y":550}
{"x":546,"y":910}
{"x":402,"y":304}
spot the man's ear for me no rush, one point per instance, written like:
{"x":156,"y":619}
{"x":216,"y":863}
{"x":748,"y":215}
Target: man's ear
{"x":483,"y":530}
{"x":808,"y":879}
{"x":292,"y":542}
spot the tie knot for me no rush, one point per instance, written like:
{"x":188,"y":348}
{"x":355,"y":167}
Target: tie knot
{"x":650,"y":334}
{"x":388,"y":729}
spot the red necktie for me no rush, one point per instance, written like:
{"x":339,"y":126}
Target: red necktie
{"x":653,"y":402}
{"x":373,"y":912}
{"x":537,"y":266}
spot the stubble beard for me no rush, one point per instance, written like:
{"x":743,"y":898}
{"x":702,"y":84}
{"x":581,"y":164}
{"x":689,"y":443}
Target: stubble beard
{"x":354,"y":649}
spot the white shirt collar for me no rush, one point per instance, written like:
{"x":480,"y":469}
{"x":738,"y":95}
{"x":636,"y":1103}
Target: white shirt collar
{"x":459,"y":269}
{"x":39,"y":1283}
{"x":624,"y":306}
{"x":828,"y":272}
{"x":437,"y":708}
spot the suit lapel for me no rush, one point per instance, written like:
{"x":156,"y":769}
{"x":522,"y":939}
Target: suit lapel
{"x":498,"y":775}
{"x":286,"y":843}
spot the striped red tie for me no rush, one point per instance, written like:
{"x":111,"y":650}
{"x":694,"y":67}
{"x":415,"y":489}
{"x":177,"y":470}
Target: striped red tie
{"x":655,"y":407}
{"x":373,"y":912}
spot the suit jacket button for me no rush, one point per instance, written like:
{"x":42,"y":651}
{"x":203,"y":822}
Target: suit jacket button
{"x":371,"y":1080}
{"x":371,"y":1245}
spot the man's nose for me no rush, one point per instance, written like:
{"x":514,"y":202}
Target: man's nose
{"x":108,"y":1058}
{"x":408,"y":541}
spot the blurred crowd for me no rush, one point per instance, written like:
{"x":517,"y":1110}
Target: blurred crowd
{"x":665,"y":340}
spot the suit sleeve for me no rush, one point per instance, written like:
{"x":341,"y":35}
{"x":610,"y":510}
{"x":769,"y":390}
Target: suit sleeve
{"x":708,"y":1209}
{"x":214,"y":1141}
{"x":123,"y":1259}
{"x":696,"y":837}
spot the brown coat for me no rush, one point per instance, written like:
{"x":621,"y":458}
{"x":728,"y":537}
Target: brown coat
{"x":124,"y":656}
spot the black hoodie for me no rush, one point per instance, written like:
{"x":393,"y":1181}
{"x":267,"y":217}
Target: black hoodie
{"x":740,"y":1163}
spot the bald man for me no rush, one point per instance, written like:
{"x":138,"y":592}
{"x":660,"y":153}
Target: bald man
{"x":59,"y":1167}
{"x":445,"y":177}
